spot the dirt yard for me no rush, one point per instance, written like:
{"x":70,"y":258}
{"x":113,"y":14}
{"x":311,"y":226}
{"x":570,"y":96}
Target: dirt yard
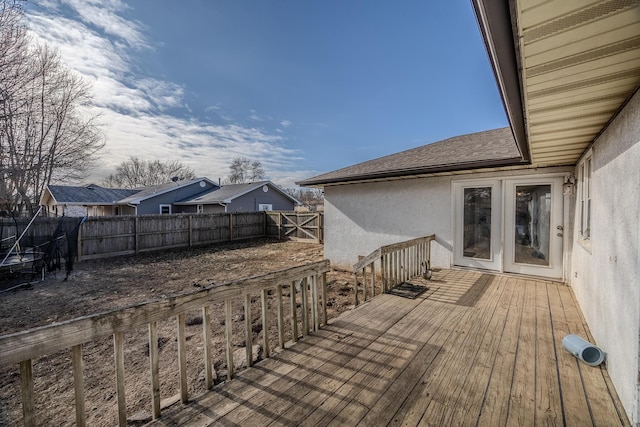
{"x":107,"y":284}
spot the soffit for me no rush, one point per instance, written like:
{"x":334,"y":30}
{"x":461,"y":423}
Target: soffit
{"x":580,"y":63}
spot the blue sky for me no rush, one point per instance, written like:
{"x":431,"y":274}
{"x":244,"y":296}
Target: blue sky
{"x":305,"y":87}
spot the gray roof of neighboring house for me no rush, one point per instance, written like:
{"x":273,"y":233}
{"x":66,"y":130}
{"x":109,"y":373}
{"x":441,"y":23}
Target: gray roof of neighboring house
{"x":88,"y":194}
{"x":156,"y":190}
{"x":490,"y":148}
{"x":228,"y":192}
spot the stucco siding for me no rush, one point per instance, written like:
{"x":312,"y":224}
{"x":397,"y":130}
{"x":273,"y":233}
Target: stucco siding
{"x":606,"y":276}
{"x":359,"y":218}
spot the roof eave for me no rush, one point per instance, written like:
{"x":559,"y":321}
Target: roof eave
{"x":516,"y":161}
{"x":494,"y":20}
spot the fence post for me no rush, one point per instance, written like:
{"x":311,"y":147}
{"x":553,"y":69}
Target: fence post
{"x":80,"y":241}
{"x":230,"y":226}
{"x":264,"y":223}
{"x":190,"y":231}
{"x":135,"y":234}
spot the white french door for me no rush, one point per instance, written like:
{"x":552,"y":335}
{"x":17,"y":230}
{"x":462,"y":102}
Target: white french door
{"x":511,"y":225}
{"x":477,"y":217}
{"x":533,"y":226}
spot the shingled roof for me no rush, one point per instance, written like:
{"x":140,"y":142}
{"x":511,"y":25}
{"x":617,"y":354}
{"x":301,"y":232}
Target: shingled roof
{"x":228,"y":192}
{"x":88,"y":194}
{"x":156,"y":190}
{"x":490,"y":148}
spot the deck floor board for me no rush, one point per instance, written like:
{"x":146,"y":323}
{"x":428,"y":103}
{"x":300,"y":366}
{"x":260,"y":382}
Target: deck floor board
{"x":476,"y":349}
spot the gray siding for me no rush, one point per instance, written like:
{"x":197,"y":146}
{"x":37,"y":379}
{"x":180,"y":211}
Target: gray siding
{"x":250,"y":201}
{"x":151,"y":206}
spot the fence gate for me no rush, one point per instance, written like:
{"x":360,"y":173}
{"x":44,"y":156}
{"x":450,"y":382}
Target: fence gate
{"x":296,"y":225}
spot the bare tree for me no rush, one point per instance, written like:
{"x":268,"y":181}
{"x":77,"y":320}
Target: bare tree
{"x":136,"y":172}
{"x":245,"y":170}
{"x":44,"y":133}
{"x":309,"y":197}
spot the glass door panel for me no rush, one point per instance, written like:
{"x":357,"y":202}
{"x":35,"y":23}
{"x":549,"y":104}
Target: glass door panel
{"x":477,"y":223}
{"x":532,"y":224}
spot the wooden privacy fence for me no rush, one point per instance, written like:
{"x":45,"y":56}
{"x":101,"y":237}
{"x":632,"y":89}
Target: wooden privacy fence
{"x":296,"y":225}
{"x":23,"y":347}
{"x":398,"y":262}
{"x":121,"y":235}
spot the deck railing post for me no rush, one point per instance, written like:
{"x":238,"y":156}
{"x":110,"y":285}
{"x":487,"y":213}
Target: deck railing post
{"x":305,"y":308}
{"x":280,"y":316}
{"x":373,"y":279}
{"x":265,"y":326}
{"x":118,"y":350}
{"x":315,"y":302}
{"x":228,"y":334}
{"x":248,"y":332}
{"x":78,"y":385}
{"x":364,"y":284}
{"x":206,"y":338}
{"x":154,"y":367}
{"x":294,"y":312}
{"x":26,"y":385}
{"x":355,"y":288}
{"x":182,"y":358}
{"x":323,"y":296}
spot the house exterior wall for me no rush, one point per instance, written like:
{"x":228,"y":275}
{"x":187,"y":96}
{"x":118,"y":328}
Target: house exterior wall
{"x":79,"y":210}
{"x":606,"y":274}
{"x":126,"y":210}
{"x":151,"y":206}
{"x":360,"y":218}
{"x":209,"y":209}
{"x":193,"y":209}
{"x":251,"y":201}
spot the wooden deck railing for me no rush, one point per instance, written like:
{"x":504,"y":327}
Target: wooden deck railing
{"x":398,"y":262}
{"x":23,"y":347}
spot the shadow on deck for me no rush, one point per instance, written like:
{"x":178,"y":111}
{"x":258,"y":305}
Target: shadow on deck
{"x":476,"y":349}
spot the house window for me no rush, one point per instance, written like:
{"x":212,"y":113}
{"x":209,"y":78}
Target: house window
{"x":265,"y":207}
{"x":585,"y":172}
{"x":199,"y":209}
{"x":165,"y":209}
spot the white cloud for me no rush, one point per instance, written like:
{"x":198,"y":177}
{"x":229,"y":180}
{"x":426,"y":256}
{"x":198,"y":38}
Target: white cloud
{"x":98,"y":43}
{"x":103,"y":14}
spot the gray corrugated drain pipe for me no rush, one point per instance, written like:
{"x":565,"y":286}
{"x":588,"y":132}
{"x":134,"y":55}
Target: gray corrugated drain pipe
{"x":589,"y":353}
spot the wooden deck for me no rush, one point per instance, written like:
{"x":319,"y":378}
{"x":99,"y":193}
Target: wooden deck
{"x":476,"y":349}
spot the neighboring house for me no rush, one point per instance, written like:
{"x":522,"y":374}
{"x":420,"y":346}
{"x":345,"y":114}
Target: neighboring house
{"x":200,"y":195}
{"x":557,"y":195}
{"x":163,"y":199}
{"x":88,"y":200}
{"x":250,"y":197}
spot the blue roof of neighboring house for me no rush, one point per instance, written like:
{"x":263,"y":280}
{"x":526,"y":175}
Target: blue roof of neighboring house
{"x":156,"y":190}
{"x":88,"y":194}
{"x":228,"y":192}
{"x":95,"y":195}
